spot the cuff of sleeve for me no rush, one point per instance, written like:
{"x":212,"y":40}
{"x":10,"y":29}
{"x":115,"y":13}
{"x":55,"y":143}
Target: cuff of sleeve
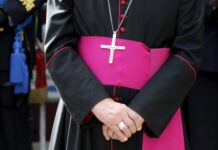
{"x":78,"y":87}
{"x":81,"y":117}
{"x":164,"y":93}
{"x":188,"y":64}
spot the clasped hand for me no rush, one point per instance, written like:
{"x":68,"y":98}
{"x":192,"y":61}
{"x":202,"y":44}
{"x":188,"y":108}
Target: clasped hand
{"x":111,"y":113}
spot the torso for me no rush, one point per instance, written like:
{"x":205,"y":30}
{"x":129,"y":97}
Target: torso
{"x":156,"y":29}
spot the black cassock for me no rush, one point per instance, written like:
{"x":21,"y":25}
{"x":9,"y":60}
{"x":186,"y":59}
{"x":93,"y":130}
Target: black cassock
{"x":200,"y":108}
{"x":175,"y":24}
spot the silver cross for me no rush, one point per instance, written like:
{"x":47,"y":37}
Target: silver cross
{"x":113,"y":47}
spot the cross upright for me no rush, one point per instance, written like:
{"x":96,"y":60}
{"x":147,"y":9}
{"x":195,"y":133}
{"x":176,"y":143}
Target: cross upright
{"x":113,"y":47}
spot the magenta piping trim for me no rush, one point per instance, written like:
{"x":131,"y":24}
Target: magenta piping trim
{"x":55,"y":54}
{"x":190,"y":66}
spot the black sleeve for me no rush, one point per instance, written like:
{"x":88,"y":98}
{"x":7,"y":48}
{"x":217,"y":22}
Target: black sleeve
{"x":78,"y":87}
{"x":17,"y":11}
{"x":159,"y":99}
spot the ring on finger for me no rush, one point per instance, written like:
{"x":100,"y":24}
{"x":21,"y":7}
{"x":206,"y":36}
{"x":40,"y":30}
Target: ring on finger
{"x":121,"y":125}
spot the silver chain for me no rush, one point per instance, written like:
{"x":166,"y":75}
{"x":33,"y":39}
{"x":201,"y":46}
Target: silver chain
{"x":111,"y":18}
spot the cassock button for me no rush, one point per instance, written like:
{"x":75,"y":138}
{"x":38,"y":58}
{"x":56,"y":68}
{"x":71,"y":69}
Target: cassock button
{"x":122,"y":29}
{"x":123,"y":2}
{"x":122,"y":16}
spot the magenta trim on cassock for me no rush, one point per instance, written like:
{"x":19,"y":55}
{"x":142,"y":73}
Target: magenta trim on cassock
{"x":56,"y":54}
{"x":132,"y":68}
{"x":188,"y":63}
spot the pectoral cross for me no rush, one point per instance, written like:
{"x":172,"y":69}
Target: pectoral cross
{"x":113,"y":47}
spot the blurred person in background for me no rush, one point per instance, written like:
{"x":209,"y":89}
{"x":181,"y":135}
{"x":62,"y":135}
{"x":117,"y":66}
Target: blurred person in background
{"x":17,"y":46}
{"x":128,"y":99}
{"x":202,"y":102}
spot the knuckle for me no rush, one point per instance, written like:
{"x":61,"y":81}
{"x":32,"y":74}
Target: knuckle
{"x":131,"y":124}
{"x":142,"y":119}
{"x":123,"y":106}
{"x":117,"y":112}
{"x":133,"y":129}
{"x":135,"y":117}
{"x":125,"y":127}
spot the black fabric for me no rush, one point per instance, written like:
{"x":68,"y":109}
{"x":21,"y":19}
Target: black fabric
{"x":3,"y":18}
{"x":210,"y":41}
{"x":201,"y":113}
{"x":187,"y":145}
{"x":68,"y":20}
{"x":76,"y":105}
{"x":200,"y":107}
{"x":14,"y":129}
{"x":166,"y":106}
{"x":88,"y":137}
{"x":16,"y":10}
{"x":17,"y":13}
{"x":6,"y":48}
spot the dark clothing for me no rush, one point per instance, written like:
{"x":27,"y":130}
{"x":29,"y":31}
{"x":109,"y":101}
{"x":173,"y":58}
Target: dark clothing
{"x":14,"y":131}
{"x":210,"y":41}
{"x":14,"y":127}
{"x":17,"y":13}
{"x":68,"y":20}
{"x":201,"y":112}
{"x":88,"y":135}
{"x":200,"y":108}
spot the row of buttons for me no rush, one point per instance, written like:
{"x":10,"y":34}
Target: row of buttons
{"x":123,"y":3}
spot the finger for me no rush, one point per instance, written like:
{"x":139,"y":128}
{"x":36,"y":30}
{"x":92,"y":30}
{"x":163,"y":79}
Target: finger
{"x":112,"y":134}
{"x":120,"y":134}
{"x":138,"y":120}
{"x":130,"y":124}
{"x":105,"y":132}
{"x":115,"y":137}
{"x":126,"y":130}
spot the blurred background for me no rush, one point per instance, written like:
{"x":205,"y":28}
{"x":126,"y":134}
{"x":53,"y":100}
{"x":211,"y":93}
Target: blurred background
{"x":28,"y":97}
{"x":43,"y":98}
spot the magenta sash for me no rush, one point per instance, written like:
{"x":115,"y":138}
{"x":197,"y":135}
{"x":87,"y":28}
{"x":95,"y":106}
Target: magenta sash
{"x":132,"y":68}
